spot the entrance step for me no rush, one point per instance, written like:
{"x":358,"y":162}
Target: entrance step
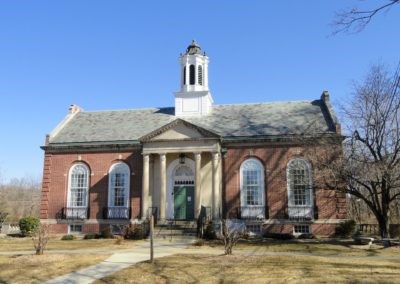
{"x":175,"y":228}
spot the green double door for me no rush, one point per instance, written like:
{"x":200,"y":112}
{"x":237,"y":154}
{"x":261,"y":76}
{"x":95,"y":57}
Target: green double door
{"x":184,"y":202}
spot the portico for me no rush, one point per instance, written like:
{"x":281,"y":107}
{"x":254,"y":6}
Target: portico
{"x":181,"y":172}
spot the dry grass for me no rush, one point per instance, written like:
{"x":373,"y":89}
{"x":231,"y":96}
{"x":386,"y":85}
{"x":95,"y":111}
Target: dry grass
{"x":240,"y":268}
{"x":25,"y":244}
{"x":37,"y":268}
{"x":315,"y":247}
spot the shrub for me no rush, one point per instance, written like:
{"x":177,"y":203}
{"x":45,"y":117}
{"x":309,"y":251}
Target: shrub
{"x":198,"y":242}
{"x":106,"y":233}
{"x":306,"y":236}
{"x":209,"y":232}
{"x":345,"y":229}
{"x":135,"y":232}
{"x":278,"y":236}
{"x":68,"y":238}
{"x":28,"y":225}
{"x":119,"y":240}
{"x":89,"y":236}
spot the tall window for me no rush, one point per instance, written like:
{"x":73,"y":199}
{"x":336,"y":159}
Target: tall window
{"x":118,"y":185}
{"x":184,"y":75}
{"x":252,"y":183}
{"x":299,"y":182}
{"x":78,"y":185}
{"x":192,"y":75}
{"x":200,"y":74}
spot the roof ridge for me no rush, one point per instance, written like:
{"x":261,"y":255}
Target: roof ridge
{"x":264,"y":103}
{"x":125,"y":109}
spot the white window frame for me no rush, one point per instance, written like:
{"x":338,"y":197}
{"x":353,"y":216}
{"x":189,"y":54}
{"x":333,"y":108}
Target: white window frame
{"x":124,"y":169}
{"x":290,"y":190}
{"x":252,"y":210}
{"x":300,"y":229}
{"x":70,"y":231}
{"x":85,"y":187}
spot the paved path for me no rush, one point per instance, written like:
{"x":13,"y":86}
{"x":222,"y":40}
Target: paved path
{"x":121,"y":260}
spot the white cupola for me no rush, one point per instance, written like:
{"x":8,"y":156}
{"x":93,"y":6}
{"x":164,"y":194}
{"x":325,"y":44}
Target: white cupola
{"x":194,"y":98}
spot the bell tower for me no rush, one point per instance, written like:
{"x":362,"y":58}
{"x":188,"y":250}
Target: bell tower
{"x":194,"y":97}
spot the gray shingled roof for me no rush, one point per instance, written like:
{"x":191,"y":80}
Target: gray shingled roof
{"x":262,"y":119}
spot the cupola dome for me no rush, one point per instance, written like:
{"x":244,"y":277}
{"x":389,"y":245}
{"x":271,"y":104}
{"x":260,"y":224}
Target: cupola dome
{"x":193,"y":48}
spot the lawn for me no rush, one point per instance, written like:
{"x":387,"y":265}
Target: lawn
{"x":38,"y":268}
{"x":239,"y":268}
{"x":61,"y":257}
{"x":253,"y":261}
{"x":270,"y":262}
{"x":55,"y":243}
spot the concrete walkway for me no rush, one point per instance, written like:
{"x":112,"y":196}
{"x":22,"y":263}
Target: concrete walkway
{"x":121,"y":260}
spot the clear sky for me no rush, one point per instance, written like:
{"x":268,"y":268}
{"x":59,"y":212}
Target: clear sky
{"x":124,"y":54}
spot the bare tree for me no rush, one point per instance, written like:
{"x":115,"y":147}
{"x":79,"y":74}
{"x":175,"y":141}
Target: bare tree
{"x":20,"y":197}
{"x":369,"y":168}
{"x":40,"y":238}
{"x":231,"y":234}
{"x":355,"y":19}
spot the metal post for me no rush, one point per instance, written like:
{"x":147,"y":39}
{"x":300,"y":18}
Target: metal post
{"x":151,"y":238}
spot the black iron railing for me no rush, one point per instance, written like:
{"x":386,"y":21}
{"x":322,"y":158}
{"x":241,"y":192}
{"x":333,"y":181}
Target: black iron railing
{"x":300,"y":213}
{"x":75,"y":212}
{"x":116,"y":212}
{"x":255,"y":212}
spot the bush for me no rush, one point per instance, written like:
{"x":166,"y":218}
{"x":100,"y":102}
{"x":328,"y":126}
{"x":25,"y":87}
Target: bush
{"x":28,"y":225}
{"x":135,"y":232}
{"x":209,"y":232}
{"x":106,"y":233}
{"x":278,"y":236}
{"x":308,"y":236}
{"x":89,"y":236}
{"x":345,"y":229}
{"x":68,"y":238}
{"x":198,"y":242}
{"x":119,"y":240}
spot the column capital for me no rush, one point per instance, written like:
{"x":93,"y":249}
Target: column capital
{"x":162,"y":156}
{"x":197,"y":156}
{"x":146,"y":157}
{"x":215,"y":155}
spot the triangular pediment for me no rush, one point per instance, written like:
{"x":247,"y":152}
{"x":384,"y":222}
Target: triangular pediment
{"x":178,"y":130}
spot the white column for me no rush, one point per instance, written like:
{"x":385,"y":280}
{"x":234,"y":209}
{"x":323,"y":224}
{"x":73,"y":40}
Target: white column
{"x":163,"y":186}
{"x":215,"y":186}
{"x":197,"y":201}
{"x":145,"y":185}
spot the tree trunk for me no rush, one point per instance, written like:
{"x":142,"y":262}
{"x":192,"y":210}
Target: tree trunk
{"x":383,"y":222}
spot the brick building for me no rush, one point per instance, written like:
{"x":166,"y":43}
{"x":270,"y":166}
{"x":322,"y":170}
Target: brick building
{"x":241,"y":161}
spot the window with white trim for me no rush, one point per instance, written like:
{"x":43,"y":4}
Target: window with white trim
{"x":78,"y":185}
{"x":299,"y":183}
{"x":118,"y":185}
{"x":74,"y":228}
{"x":301,"y":229}
{"x":252,"y":183}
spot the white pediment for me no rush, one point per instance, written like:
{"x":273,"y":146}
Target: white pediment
{"x":178,"y":132}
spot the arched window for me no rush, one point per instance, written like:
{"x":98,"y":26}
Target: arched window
{"x":78,"y":186}
{"x":200,"y":74}
{"x":299,"y":183}
{"x":184,"y":75}
{"x":118,"y":191}
{"x":252,"y":189}
{"x":192,"y":75}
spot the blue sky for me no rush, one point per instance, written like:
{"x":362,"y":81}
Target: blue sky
{"x":124,"y":54}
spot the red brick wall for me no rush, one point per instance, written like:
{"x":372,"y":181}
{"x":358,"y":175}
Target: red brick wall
{"x":330,"y":205}
{"x":55,"y":181}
